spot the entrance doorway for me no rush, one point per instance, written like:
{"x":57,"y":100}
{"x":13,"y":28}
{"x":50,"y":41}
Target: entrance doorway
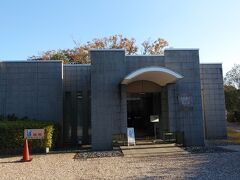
{"x":140,"y":106}
{"x":147,"y":98}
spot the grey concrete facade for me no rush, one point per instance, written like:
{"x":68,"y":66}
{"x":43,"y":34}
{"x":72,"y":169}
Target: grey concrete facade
{"x":187,"y":119}
{"x":31,"y":89}
{"x":76,"y":103}
{"x":107,"y":71}
{"x":213,"y":101}
{"x":91,"y":101}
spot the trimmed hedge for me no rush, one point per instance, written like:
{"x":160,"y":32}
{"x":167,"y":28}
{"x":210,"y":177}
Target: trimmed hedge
{"x":12,"y":135}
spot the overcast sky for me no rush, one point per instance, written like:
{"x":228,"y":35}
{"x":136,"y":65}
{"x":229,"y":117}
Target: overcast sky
{"x":29,"y":27}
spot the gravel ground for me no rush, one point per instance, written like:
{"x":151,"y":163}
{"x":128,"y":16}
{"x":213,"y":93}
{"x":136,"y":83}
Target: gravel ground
{"x":63,"y":166}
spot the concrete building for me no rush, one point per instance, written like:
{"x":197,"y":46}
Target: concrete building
{"x":94,"y":102}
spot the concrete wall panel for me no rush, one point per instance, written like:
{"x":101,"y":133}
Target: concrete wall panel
{"x":188,"y":119}
{"x":31,"y":89}
{"x":107,"y":71}
{"x":76,"y":111}
{"x":213,"y":101}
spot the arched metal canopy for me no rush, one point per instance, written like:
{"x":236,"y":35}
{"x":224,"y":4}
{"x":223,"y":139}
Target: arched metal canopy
{"x":159,"y":75}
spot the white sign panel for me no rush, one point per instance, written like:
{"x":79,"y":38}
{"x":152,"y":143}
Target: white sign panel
{"x":154,"y":118}
{"x":186,"y":100}
{"x":131,"y":136}
{"x":34,"y":133}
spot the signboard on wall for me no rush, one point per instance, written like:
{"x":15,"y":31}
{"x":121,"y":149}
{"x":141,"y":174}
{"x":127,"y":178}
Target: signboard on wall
{"x":131,"y":136}
{"x":34,"y":133}
{"x":154,"y":118}
{"x":185,"y":101}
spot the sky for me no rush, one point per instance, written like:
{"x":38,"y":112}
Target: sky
{"x":29,"y":27}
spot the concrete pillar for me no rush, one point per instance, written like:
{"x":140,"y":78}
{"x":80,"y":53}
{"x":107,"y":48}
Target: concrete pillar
{"x":107,"y":72}
{"x":123,"y":111}
{"x":163,"y":124}
{"x":172,"y":97}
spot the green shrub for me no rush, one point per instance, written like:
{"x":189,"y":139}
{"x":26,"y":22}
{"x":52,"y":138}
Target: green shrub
{"x":12,"y":134}
{"x":230,"y":117}
{"x":233,"y":116}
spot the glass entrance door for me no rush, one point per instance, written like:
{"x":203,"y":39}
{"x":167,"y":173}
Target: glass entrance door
{"x":139,"y":109}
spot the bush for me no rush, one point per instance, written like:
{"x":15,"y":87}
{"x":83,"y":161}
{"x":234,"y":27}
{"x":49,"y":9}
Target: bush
{"x":233,"y":116}
{"x":230,"y":117}
{"x":12,"y":135}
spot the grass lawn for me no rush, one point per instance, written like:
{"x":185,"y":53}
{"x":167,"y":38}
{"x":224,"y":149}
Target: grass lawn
{"x":233,"y":136}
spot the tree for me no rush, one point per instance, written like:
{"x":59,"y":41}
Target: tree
{"x":114,"y":42}
{"x":79,"y":54}
{"x":232,"y":101}
{"x":232,"y":77}
{"x":232,"y":98}
{"x":232,"y":93}
{"x":155,"y":47}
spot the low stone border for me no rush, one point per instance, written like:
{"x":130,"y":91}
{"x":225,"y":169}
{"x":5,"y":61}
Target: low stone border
{"x":220,"y":143}
{"x":210,"y":149}
{"x":98,"y":154}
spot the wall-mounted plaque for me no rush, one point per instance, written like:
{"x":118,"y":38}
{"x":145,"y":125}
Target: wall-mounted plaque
{"x":185,"y":101}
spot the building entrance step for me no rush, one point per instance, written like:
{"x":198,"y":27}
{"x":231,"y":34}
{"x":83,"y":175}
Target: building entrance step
{"x":147,"y":150}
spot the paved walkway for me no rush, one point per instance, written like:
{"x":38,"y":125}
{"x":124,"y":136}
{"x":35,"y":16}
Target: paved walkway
{"x":152,"y":150}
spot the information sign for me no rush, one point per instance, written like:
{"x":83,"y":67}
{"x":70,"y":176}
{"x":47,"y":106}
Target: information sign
{"x":34,"y":133}
{"x":131,"y":136}
{"x":154,"y":118}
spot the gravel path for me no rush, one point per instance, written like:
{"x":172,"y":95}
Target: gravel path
{"x":63,"y":166}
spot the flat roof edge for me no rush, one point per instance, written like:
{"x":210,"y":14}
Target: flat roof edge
{"x":211,"y":63}
{"x":34,"y":61}
{"x":141,"y":55}
{"x":76,"y":64}
{"x":181,"y":49}
{"x":106,"y":49}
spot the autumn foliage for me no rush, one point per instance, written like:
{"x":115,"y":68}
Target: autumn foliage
{"x":79,"y":54}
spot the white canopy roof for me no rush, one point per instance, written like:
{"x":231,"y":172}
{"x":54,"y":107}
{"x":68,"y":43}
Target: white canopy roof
{"x":159,"y":75}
